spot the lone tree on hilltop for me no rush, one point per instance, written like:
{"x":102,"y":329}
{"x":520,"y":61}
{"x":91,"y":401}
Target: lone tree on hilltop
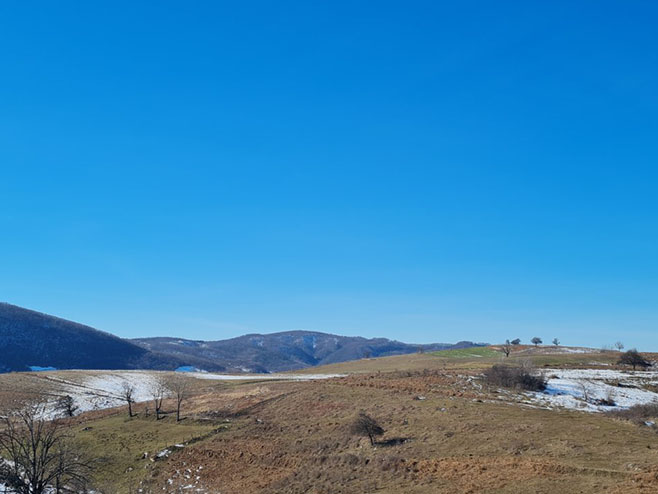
{"x":516,"y":341}
{"x":556,"y":342}
{"x":619,"y":346}
{"x":128,"y":394}
{"x":39,"y":455}
{"x":634,"y":358}
{"x":507,"y":348}
{"x":365,"y":425}
{"x":536,"y":341}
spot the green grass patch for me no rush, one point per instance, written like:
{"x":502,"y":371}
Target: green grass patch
{"x":474,"y":352}
{"x":119,"y":443}
{"x":573,"y":360}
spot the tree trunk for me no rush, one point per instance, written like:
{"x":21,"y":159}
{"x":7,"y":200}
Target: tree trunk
{"x":372,"y":441}
{"x":130,"y":409}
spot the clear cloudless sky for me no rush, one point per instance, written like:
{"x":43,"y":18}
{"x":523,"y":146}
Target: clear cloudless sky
{"x":424,"y":171}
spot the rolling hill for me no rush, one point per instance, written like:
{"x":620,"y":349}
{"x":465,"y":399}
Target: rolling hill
{"x":33,"y":339}
{"x":285,"y":351}
{"x":30,"y":340}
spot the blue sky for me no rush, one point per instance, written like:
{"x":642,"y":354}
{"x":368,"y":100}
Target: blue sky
{"x":425,"y":171}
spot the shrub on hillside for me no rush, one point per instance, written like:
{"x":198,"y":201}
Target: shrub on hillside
{"x":515,"y":378}
{"x":634,"y":358}
{"x":639,"y":414}
{"x":365,"y":425}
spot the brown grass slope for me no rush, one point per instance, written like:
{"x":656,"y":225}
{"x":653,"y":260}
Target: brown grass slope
{"x":297,"y":440}
{"x":458,"y":437}
{"x":445,"y":433}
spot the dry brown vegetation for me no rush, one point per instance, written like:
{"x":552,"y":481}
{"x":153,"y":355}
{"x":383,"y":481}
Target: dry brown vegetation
{"x":445,"y":433}
{"x":639,"y":414}
{"x":514,"y":377}
{"x":298,"y":441}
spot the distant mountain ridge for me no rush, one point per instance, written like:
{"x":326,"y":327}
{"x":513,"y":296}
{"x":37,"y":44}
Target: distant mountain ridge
{"x":33,"y":339}
{"x":287,"y":350}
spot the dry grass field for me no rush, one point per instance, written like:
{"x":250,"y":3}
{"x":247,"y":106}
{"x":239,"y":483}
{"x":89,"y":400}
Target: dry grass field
{"x":445,"y":432}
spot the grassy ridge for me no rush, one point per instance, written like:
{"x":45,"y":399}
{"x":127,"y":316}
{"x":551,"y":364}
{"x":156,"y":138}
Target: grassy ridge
{"x":475,"y":352}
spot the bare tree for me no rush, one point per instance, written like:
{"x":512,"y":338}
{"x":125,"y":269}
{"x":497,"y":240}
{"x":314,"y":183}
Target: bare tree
{"x":584,"y":389}
{"x":536,"y":341}
{"x":619,"y":346}
{"x":158,"y":393}
{"x":66,"y":406}
{"x":364,"y":425}
{"x":507,"y":348}
{"x":128,"y":394}
{"x":39,"y":455}
{"x":556,"y":342}
{"x":178,"y":385}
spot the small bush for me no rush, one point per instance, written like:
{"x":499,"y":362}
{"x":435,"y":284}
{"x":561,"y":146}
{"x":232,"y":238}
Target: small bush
{"x":638,"y":414}
{"x":609,"y":400}
{"x":365,"y":425}
{"x":515,"y":378}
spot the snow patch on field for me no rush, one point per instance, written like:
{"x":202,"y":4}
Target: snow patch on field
{"x":5,"y":489}
{"x":101,"y":391}
{"x":110,"y":386}
{"x":574,"y":350}
{"x":262,"y":377}
{"x":589,"y":389}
